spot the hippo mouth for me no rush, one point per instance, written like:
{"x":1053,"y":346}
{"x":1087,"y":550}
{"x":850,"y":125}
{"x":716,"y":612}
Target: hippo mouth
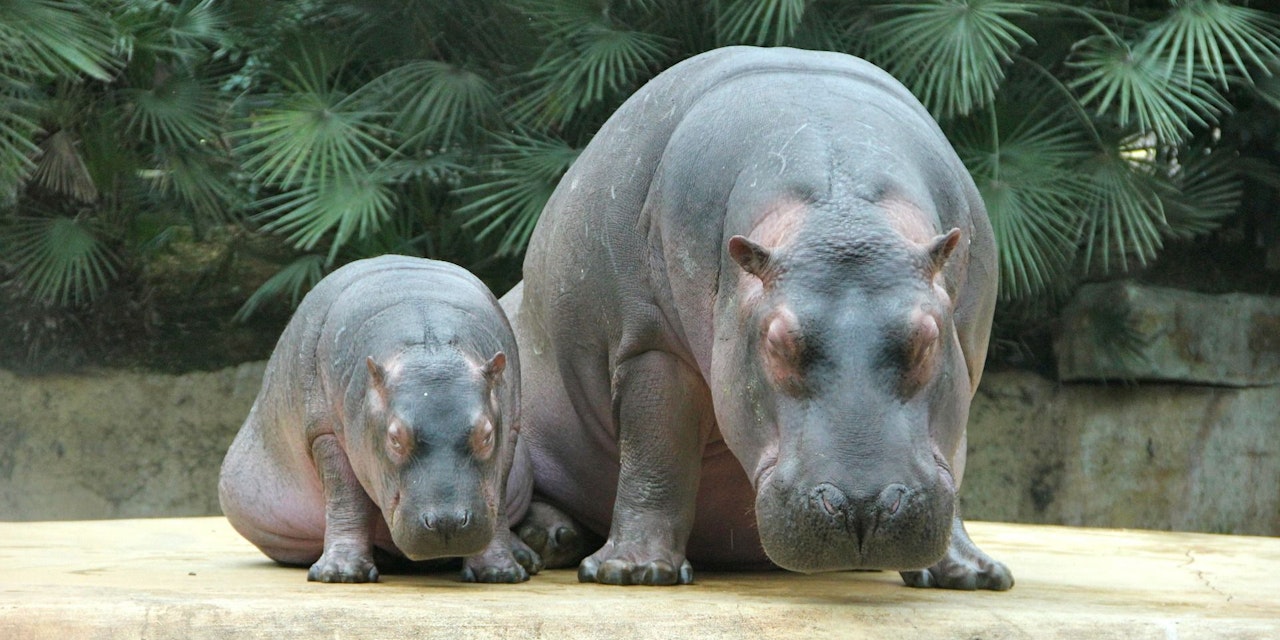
{"x":426,"y":534}
{"x":810,"y":526}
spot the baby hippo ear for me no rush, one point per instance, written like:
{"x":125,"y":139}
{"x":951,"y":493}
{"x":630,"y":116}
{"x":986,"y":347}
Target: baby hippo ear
{"x":753,"y":258}
{"x":941,"y":248}
{"x":493,"y":369}
{"x":377,"y":377}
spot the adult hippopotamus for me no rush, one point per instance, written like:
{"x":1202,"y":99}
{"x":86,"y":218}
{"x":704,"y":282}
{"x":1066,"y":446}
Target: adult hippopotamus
{"x":754,"y":313}
{"x":387,"y":420}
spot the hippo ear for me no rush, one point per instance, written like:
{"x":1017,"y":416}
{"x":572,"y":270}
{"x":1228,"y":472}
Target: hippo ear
{"x":752,"y":257}
{"x":941,"y":247}
{"x":377,"y":377}
{"x":494,"y":367}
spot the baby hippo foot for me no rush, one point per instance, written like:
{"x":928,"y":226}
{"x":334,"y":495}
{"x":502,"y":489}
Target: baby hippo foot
{"x":341,"y":563}
{"x":556,"y":537}
{"x":506,"y":559}
{"x":635,"y":563}
{"x":965,"y":566}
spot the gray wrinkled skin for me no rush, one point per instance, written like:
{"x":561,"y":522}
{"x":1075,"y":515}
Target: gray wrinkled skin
{"x":387,"y":422}
{"x":754,"y":313}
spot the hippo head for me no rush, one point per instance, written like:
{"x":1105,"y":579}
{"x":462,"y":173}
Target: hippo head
{"x":826,"y":379}
{"x":434,"y":433}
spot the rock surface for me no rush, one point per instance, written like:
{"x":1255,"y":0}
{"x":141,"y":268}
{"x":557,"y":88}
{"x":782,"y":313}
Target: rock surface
{"x":1128,"y":331}
{"x":118,"y":444}
{"x":1160,"y":456}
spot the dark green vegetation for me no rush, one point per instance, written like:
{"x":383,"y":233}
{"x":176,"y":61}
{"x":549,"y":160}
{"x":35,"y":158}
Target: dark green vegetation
{"x":161,"y":161}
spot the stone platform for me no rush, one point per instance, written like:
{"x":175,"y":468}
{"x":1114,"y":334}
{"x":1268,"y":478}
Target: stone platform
{"x":196,"y":578}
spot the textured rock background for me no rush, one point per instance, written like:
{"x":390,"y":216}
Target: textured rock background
{"x":1161,"y":456}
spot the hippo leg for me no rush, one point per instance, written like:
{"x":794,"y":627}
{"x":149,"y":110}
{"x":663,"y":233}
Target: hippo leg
{"x":555,"y":536}
{"x":965,"y":566}
{"x":661,"y":408}
{"x":506,"y":559}
{"x":348,"y":519}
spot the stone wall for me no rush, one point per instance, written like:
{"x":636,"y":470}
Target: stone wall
{"x":1157,"y":456}
{"x":118,"y":444}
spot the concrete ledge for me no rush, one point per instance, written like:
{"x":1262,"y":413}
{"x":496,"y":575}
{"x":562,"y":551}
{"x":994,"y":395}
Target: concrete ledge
{"x":195,"y":578}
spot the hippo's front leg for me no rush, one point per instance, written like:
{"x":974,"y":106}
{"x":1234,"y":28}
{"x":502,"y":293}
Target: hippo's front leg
{"x":965,"y":566}
{"x":507,"y":559}
{"x":348,"y":519}
{"x":661,"y":408}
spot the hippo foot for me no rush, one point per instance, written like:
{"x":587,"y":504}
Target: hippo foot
{"x":628,"y":564}
{"x":505,"y":560}
{"x":555,"y":536}
{"x":964,"y":567}
{"x":343,"y":564}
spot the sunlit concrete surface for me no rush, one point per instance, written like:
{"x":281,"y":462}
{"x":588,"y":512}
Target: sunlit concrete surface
{"x":196,"y":578}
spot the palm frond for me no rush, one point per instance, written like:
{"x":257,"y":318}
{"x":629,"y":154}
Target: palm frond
{"x":1208,"y":191}
{"x":1215,"y":39}
{"x":199,"y":180}
{"x":1131,"y":84}
{"x":1124,"y":216}
{"x":1025,"y":158}
{"x":59,"y":259}
{"x":180,"y":110}
{"x":16,"y":147}
{"x":513,"y":192}
{"x":759,"y":22}
{"x":310,"y":138}
{"x":434,"y":100}
{"x":51,"y":38}
{"x":349,"y":206}
{"x":597,"y":61}
{"x":952,"y":54}
{"x":295,"y":280}
{"x":60,"y":168}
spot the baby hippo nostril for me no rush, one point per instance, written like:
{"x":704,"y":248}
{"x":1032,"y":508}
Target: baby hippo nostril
{"x":891,"y":498}
{"x":447,"y":524}
{"x":831,"y":499}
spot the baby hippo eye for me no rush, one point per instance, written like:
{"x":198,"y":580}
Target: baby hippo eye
{"x":482,"y":439}
{"x":398,"y":439}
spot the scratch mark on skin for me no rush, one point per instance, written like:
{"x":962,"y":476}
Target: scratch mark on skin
{"x":779,"y":153}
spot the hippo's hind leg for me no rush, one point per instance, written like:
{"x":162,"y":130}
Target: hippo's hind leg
{"x":556,"y":537}
{"x":965,"y":566}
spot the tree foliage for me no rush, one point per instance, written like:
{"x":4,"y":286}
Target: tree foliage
{"x":1095,"y":131}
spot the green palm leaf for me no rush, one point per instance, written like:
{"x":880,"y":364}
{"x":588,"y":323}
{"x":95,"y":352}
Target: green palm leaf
{"x":596,"y":61}
{"x":310,"y":138}
{"x":1133,"y":86}
{"x":434,"y":100}
{"x":1208,"y":191}
{"x":55,"y":38}
{"x":295,"y":279}
{"x":1026,"y":162}
{"x":198,"y":179}
{"x":1214,"y":38}
{"x":952,"y":54}
{"x":1124,"y":216}
{"x":59,"y":259}
{"x":180,"y":110}
{"x":515,"y":190}
{"x":349,"y":206}
{"x":759,"y":22}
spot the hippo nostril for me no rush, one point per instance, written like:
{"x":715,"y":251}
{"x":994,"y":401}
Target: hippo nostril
{"x":891,"y":498}
{"x":466,"y":519}
{"x":832,"y":500}
{"x":429,"y":521}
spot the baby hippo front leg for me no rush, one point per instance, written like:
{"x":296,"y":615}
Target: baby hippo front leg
{"x":348,"y":515}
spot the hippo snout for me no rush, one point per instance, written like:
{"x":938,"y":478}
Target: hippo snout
{"x":447,"y":524}
{"x":861,"y":516}
{"x":825,"y":527}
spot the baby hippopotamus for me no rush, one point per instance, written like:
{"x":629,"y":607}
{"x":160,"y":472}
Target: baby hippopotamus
{"x":387,"y":420}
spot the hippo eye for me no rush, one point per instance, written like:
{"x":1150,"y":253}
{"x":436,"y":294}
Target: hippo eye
{"x":482,"y":439}
{"x":398,"y":441}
